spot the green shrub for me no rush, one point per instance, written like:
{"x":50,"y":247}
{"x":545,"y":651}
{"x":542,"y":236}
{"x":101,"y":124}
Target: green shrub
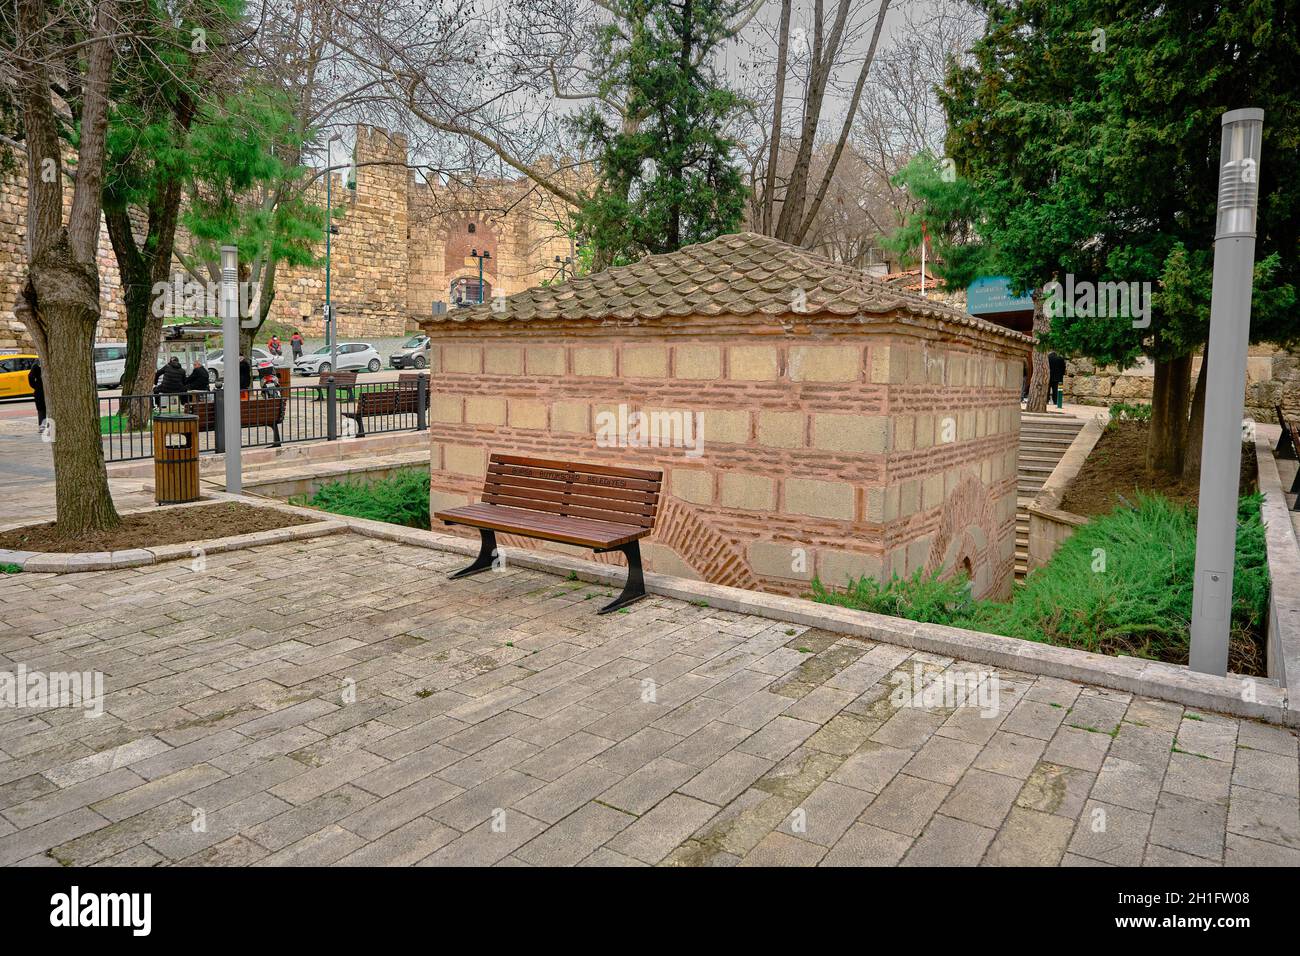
{"x":401,"y":499}
{"x":1122,"y":583}
{"x":1124,"y":412}
{"x":918,"y":598}
{"x":6,"y":568}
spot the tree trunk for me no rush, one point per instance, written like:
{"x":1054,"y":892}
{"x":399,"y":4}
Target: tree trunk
{"x":143,"y":335}
{"x":1167,"y":440}
{"x":1196,"y":425}
{"x":1039,"y":372}
{"x":61,"y":308}
{"x":59,"y":302}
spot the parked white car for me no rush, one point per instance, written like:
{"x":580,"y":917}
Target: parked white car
{"x":110,"y":364}
{"x":358,"y":356}
{"x":216,"y":363}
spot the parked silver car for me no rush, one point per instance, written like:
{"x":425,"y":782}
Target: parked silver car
{"x":358,"y":356}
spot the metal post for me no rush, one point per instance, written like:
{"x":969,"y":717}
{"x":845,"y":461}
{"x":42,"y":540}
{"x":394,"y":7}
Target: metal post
{"x":331,"y":408}
{"x":422,"y":403}
{"x":330,"y":325}
{"x":219,"y":419}
{"x":1216,"y":522}
{"x":230,"y":349}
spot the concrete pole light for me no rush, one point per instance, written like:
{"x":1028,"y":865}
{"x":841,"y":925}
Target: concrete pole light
{"x":1234,"y":260}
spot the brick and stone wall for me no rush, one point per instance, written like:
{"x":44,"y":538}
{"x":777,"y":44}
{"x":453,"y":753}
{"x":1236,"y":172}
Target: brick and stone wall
{"x":830,"y":447}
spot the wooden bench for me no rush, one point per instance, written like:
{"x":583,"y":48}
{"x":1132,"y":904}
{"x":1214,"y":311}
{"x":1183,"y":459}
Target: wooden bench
{"x":253,"y":413}
{"x":342,"y":380}
{"x":592,"y":506}
{"x":402,"y":400}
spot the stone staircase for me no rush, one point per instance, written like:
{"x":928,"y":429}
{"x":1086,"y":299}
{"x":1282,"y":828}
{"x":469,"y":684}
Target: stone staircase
{"x":1044,"y":437}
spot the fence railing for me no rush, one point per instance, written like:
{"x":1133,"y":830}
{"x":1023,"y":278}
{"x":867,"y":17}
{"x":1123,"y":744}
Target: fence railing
{"x":269,"y":417}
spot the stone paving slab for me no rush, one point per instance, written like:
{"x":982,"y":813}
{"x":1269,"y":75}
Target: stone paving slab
{"x":337,"y":701}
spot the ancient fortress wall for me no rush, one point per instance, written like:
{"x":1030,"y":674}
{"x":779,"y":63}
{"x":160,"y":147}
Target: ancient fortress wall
{"x":400,"y":244}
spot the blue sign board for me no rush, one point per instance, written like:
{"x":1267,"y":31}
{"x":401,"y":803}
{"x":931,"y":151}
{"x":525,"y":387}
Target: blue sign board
{"x":990,"y":294}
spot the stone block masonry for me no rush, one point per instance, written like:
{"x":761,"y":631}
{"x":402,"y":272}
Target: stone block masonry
{"x":836,"y":451}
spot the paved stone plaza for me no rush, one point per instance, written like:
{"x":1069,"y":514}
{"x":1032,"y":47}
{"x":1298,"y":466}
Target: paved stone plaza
{"x":338,"y":701}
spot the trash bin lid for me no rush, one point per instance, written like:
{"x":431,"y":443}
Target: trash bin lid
{"x":175,"y":417}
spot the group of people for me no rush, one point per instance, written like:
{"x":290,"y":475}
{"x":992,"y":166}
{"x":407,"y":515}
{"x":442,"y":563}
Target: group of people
{"x":276,"y":347}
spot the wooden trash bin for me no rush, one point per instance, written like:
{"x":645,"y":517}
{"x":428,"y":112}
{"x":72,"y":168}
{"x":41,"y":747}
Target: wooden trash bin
{"x":285,"y":375}
{"x":176,"y":458}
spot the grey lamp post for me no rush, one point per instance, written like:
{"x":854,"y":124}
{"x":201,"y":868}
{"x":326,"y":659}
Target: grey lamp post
{"x":474,"y":253}
{"x":564,"y":262}
{"x":230,"y":350}
{"x":1234,"y":258}
{"x":331,"y":327}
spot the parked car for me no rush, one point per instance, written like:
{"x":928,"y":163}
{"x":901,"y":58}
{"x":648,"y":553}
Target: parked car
{"x":352,"y":355}
{"x":14,"y":367}
{"x":216,"y":363}
{"x":110,"y":364}
{"x":414,"y":353}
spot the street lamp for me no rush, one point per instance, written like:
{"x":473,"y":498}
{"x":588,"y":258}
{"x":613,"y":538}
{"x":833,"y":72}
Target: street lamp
{"x":563,"y":262}
{"x":230,"y":352}
{"x":1234,"y":259}
{"x":474,"y":253}
{"x":331,"y":327}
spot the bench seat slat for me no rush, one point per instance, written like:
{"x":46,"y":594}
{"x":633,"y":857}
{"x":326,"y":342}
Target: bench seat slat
{"x":583,"y":532}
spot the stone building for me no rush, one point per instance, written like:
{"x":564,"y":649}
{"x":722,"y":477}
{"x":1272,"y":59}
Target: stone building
{"x":809,"y":420}
{"x":402,"y":244}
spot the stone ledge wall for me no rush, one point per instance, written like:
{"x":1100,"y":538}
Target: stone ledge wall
{"x":1272,"y":378}
{"x":847,"y":450}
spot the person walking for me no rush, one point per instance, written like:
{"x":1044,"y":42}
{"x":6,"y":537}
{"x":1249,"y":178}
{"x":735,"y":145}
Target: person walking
{"x":168,"y":380}
{"x":38,"y":393}
{"x":295,"y":343}
{"x":1055,"y":376}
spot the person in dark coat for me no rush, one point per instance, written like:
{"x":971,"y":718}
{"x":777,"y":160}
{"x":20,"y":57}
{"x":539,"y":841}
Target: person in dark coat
{"x":245,"y":376}
{"x":169,"y":380}
{"x":38,"y":392}
{"x":1055,"y":376}
{"x":198,"y":380}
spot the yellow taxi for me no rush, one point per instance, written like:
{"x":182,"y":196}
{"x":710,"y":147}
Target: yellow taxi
{"x":14,"y":367}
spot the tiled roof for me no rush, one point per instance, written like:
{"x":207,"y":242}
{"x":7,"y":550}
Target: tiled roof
{"x":742,"y":274}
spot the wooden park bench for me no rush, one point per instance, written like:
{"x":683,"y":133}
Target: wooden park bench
{"x":254,"y":412}
{"x":404,"y":399}
{"x":342,"y":380}
{"x":1288,"y":446}
{"x":591,"y":506}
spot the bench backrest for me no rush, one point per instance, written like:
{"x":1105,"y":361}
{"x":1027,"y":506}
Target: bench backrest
{"x":622,"y":495}
{"x":390,"y":401}
{"x":252,"y":412}
{"x":410,"y":379}
{"x":340,"y":378}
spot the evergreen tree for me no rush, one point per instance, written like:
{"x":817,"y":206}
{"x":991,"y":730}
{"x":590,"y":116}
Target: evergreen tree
{"x":668,"y":178}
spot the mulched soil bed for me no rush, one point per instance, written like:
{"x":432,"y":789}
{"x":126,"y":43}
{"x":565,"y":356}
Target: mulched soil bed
{"x":1116,"y":470}
{"x":150,"y":529}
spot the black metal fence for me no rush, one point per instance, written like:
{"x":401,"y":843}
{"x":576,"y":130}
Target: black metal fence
{"x":270,"y":417}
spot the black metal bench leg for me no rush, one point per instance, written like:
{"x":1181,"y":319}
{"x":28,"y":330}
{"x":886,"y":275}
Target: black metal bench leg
{"x":634,"y":589}
{"x":486,"y":553}
{"x":1285,"y":447}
